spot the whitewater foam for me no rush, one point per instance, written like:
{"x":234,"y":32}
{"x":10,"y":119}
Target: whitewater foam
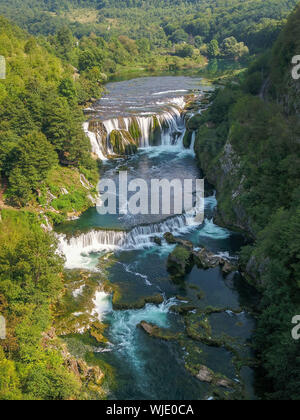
{"x":102,"y":304}
{"x":213,"y":231}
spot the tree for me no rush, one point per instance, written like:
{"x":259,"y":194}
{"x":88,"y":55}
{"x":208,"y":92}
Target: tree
{"x":64,"y":41}
{"x":87,"y":60}
{"x":213,"y":49}
{"x":9,"y":381}
{"x":34,"y":156}
{"x":179,"y":36}
{"x":230,"y":48}
{"x":198,"y":41}
{"x":67,"y":89}
{"x":184,"y":50}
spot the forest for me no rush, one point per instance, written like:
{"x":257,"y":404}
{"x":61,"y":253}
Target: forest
{"x":265,"y":131}
{"x":163,"y":23}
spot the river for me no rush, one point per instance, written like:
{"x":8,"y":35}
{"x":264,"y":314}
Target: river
{"x":146,"y":367}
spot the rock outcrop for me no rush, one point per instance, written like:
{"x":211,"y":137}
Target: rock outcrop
{"x":90,"y":377}
{"x":206,"y":259}
{"x":123,"y":143}
{"x":180,"y":262}
{"x":207,"y":375}
{"x":154,"y":331}
{"x":176,"y":241}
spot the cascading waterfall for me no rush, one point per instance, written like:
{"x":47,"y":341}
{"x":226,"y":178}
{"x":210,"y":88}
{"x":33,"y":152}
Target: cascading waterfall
{"x":168,"y":126}
{"x":95,"y":241}
{"x":192,"y":147}
{"x":97,"y":147}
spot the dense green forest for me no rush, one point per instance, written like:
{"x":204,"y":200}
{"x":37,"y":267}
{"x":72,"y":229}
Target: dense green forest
{"x":30,"y":280}
{"x":256,"y":23}
{"x":41,"y":122}
{"x":253,"y":127}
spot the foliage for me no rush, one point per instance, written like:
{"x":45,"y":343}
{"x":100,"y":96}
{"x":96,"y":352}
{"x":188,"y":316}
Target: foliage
{"x":30,"y":281}
{"x":41,"y":122}
{"x":256,"y":23}
{"x":249,"y":147}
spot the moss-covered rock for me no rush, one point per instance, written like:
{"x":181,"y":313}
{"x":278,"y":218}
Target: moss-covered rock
{"x":195,"y":122}
{"x":155,"y":132}
{"x":204,"y":374}
{"x":187,"y":139}
{"x":170,"y":238}
{"x":97,"y":331}
{"x":180,"y":262}
{"x":122,"y":143}
{"x":176,"y":241}
{"x":121,"y":303}
{"x":134,"y":130}
{"x":154,"y":331}
{"x":183,"y":309}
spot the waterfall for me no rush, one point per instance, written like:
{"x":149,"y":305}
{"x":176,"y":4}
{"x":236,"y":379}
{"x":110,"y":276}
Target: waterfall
{"x":96,"y":241}
{"x":96,"y":145}
{"x":77,"y":248}
{"x":146,"y":130}
{"x":192,"y":147}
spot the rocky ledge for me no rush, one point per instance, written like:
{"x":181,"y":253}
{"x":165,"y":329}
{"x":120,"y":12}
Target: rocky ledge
{"x":207,"y":375}
{"x":154,"y":331}
{"x":182,"y":260}
{"x":206,"y":259}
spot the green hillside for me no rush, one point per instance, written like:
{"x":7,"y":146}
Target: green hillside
{"x":254,"y":22}
{"x":248,"y":146}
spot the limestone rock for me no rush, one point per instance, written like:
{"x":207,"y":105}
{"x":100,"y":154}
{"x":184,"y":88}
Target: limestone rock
{"x":206,"y":259}
{"x":207,"y":375}
{"x":180,"y":262}
{"x":157,"y":240}
{"x":176,"y":241}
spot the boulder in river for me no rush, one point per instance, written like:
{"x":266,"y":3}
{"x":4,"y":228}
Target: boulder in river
{"x":170,"y":238}
{"x":206,"y":259}
{"x":176,"y":241}
{"x":180,"y":262}
{"x":207,"y":375}
{"x":154,"y":331}
{"x":157,"y":240}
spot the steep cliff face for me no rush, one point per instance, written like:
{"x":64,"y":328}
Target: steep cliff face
{"x":224,"y":173}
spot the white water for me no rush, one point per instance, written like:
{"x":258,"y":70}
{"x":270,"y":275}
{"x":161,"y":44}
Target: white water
{"x":192,"y":147}
{"x":171,"y":124}
{"x":213,"y":231}
{"x":171,"y":119}
{"x":83,"y":251}
{"x":124,"y":328}
{"x":80,"y":250}
{"x":97,"y":148}
{"x":102,"y":304}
